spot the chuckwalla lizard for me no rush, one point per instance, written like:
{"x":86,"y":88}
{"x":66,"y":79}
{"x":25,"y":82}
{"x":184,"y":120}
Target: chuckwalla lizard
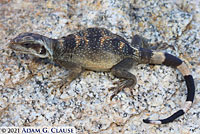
{"x":99,"y":49}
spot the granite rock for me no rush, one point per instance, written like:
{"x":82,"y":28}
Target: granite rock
{"x":27,"y":84}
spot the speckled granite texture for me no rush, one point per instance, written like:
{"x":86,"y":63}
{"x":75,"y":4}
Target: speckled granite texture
{"x":27,"y":85}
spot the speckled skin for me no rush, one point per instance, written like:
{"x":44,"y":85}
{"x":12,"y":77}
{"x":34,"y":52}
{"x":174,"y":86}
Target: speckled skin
{"x":99,"y":49}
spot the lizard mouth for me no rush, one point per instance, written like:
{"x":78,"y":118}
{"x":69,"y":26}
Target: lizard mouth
{"x":28,"y":48}
{"x":14,"y":45}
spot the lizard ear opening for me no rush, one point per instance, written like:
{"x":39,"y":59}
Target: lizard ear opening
{"x":43,"y":50}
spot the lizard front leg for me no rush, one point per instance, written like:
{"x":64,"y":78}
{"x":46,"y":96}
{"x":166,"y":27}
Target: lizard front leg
{"x":74,"y":72}
{"x":120,"y":70}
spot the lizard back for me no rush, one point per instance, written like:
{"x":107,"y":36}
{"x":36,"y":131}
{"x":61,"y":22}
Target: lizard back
{"x":94,"y":48}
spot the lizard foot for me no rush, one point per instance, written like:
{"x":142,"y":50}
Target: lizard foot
{"x":120,"y":86}
{"x":60,"y":85}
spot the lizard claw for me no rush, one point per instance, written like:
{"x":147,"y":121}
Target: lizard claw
{"x":60,"y":85}
{"x":117,"y":90}
{"x":120,"y":86}
{"x":118,"y":83}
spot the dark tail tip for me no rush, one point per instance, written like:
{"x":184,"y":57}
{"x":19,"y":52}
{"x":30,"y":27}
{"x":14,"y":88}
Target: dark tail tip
{"x":146,"y":120}
{"x":167,"y":120}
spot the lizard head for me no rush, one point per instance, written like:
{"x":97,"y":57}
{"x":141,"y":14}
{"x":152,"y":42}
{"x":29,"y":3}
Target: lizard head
{"x":34,"y":44}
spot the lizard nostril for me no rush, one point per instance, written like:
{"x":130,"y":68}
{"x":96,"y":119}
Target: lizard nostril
{"x":11,"y":41}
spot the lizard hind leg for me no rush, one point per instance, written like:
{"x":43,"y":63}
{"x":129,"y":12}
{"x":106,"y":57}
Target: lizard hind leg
{"x":120,"y":70}
{"x":139,"y":42}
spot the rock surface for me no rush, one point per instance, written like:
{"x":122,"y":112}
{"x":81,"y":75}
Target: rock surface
{"x":27,"y":84}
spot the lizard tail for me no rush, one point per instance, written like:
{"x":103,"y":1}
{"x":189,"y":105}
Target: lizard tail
{"x":153,"y":57}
